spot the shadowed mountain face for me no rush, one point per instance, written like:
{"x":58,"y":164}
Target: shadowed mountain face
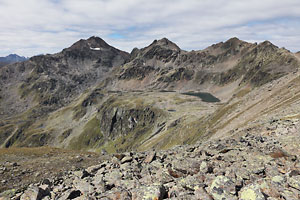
{"x":12,"y":58}
{"x":92,"y":96}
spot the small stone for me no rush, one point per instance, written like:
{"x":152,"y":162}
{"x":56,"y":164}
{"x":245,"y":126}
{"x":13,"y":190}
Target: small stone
{"x":294,"y":182}
{"x":113,"y":177}
{"x":46,"y":182}
{"x":83,"y":186}
{"x":126,"y":159}
{"x":118,"y":194}
{"x":45,"y":188}
{"x":34,"y":193}
{"x":119,"y":156}
{"x":200,"y":193}
{"x":251,"y":192}
{"x":294,"y":173}
{"x":203,"y":167}
{"x":103,"y":152}
{"x":149,"y":193}
{"x":278,"y":180}
{"x":37,"y":174}
{"x":94,"y":169}
{"x":14,"y":164}
{"x":191,"y":182}
{"x":222,"y":188}
{"x":286,"y":194}
{"x":82,"y":174}
{"x":150,"y":157}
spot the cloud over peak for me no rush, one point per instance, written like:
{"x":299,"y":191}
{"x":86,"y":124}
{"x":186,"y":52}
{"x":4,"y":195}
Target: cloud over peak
{"x":47,"y":26}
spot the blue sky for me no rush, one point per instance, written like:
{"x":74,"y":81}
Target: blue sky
{"x":34,"y":27}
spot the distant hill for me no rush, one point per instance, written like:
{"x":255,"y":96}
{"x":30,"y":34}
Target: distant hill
{"x":12,"y":58}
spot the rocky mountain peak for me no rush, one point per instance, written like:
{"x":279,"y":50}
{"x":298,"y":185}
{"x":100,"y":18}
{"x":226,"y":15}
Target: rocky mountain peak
{"x":16,"y":57}
{"x":96,"y":49}
{"x":12,"y":58}
{"x":233,"y":42}
{"x":165,"y":43}
{"x":161,"y":49}
{"x":267,"y":46}
{"x":93,"y":43}
{"x":96,"y":42}
{"x":233,"y":45}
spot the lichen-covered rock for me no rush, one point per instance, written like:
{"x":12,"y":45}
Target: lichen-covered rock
{"x":203,"y":167}
{"x":287,"y":194}
{"x":202,"y":194}
{"x":222,"y":188}
{"x":113,"y":176}
{"x":251,"y":192}
{"x":191,"y":182}
{"x":117,"y":194}
{"x":279,"y":180}
{"x":294,"y":182}
{"x":34,"y":193}
{"x":149,"y":193}
{"x":84,"y":186}
{"x":186,"y":166}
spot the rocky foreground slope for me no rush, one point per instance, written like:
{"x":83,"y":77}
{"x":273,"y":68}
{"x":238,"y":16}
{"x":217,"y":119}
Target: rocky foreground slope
{"x":256,"y":164}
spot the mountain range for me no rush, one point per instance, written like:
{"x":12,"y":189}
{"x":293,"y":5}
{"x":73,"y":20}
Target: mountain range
{"x":12,"y":58}
{"x":93,"y":96}
{"x":218,"y":123}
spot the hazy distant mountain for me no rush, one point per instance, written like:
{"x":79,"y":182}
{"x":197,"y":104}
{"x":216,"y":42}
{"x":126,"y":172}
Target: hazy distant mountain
{"x":12,"y":58}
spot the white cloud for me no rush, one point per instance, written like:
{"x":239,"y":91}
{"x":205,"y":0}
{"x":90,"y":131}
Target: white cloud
{"x":46,"y":26}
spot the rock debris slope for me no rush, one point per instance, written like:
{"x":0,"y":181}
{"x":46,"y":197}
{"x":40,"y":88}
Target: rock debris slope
{"x":248,"y":166}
